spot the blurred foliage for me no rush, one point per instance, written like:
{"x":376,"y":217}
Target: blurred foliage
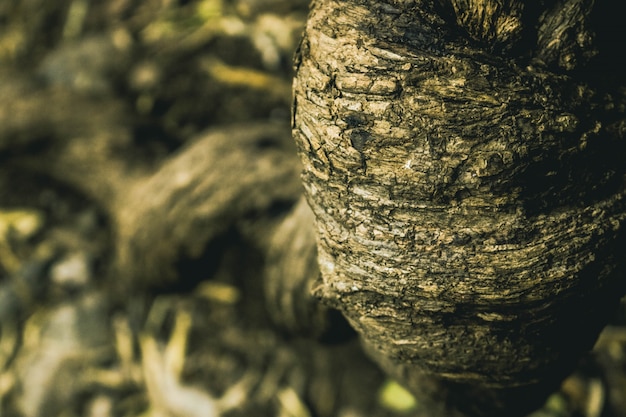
{"x":183,"y":65}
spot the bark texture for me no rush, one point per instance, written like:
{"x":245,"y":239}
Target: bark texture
{"x":464,"y":163}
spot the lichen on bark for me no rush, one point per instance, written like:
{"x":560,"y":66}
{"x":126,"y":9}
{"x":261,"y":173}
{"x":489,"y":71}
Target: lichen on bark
{"x":468,"y":202}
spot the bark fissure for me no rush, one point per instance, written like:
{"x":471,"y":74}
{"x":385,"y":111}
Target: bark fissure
{"x":460,"y":195}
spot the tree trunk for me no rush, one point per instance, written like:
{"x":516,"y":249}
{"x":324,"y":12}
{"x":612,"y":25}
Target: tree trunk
{"x":464,"y":162}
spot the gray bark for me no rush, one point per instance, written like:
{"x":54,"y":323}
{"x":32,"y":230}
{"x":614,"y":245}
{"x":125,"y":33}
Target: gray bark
{"x":464,"y":163}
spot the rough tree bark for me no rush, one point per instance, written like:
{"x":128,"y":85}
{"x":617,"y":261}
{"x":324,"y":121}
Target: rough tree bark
{"x":464,"y":162}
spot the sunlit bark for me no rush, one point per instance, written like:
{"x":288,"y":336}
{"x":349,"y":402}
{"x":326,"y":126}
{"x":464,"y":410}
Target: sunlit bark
{"x":465,"y":166}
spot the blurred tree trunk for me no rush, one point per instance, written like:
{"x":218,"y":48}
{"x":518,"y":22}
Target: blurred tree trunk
{"x":464,"y":162}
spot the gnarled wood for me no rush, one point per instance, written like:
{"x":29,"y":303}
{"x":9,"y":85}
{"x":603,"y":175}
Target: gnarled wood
{"x":468,"y":203}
